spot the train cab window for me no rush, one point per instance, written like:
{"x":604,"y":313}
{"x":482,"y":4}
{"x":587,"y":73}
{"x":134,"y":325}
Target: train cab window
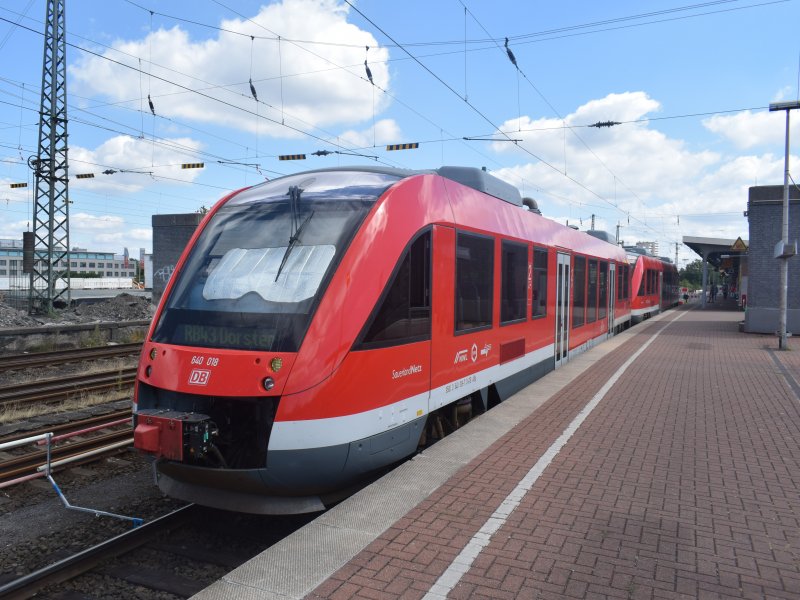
{"x":539,"y":282}
{"x":514,"y":284}
{"x":591,"y":302}
{"x":474,"y":277}
{"x":579,"y":292}
{"x":403,"y":313}
{"x":602,"y":290}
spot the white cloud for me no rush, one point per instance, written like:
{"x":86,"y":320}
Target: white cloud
{"x":748,"y":129}
{"x":107,"y":233}
{"x":125,"y":153}
{"x":300,"y":84}
{"x":660,"y":181}
{"x":386,"y":131}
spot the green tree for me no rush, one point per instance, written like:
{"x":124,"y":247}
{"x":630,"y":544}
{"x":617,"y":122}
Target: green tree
{"x":692,"y":275}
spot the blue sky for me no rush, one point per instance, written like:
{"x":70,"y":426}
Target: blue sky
{"x":689,"y":82}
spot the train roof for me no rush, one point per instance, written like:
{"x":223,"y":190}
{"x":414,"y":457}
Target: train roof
{"x":477,"y":179}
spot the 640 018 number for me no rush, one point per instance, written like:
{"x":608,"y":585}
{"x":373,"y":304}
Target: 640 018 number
{"x":209,"y":361}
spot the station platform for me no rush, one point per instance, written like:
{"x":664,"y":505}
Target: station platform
{"x":663,"y":463}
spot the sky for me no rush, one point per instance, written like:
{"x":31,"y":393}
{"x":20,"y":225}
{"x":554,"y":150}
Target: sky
{"x":688,"y":84}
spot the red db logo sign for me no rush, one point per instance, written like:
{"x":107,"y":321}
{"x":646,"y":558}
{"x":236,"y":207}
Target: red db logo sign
{"x":199,"y":377}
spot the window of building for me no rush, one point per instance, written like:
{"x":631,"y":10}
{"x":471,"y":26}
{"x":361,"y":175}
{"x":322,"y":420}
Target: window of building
{"x":73,"y":264}
{"x":602,"y":291}
{"x":579,"y":292}
{"x":540,"y":256}
{"x":3,"y":261}
{"x":403,"y":313}
{"x":108,"y":273}
{"x":3,"y":272}
{"x":83,"y":265}
{"x":514,"y":282}
{"x":591,"y":300}
{"x":474,"y":277}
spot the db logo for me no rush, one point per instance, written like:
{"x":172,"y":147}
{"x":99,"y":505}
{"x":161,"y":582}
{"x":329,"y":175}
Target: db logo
{"x":199,"y":377}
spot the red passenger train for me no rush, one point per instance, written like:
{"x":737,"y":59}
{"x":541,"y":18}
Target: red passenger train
{"x":324,"y":325}
{"x":656,"y":282}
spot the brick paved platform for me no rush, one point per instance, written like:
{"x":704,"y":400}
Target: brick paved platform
{"x":683,"y":482}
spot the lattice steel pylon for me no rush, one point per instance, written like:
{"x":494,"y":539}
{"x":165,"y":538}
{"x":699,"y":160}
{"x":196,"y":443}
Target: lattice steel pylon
{"x":51,"y":201}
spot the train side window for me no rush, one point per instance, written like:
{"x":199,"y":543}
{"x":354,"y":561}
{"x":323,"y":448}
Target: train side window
{"x":540,"y":256}
{"x":591,"y":302}
{"x":514,"y":282}
{"x":626,"y":293}
{"x":579,"y":292}
{"x":643,"y":283}
{"x":602,"y":288}
{"x":474,"y":277}
{"x":404,"y":310}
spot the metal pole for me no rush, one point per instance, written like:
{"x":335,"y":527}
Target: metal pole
{"x":783,"y":253}
{"x":783,"y":342}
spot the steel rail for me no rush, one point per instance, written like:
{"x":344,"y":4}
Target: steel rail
{"x":30,"y":462}
{"x":60,"y":357}
{"x":83,"y":561}
{"x":64,"y":388}
{"x":70,"y":426}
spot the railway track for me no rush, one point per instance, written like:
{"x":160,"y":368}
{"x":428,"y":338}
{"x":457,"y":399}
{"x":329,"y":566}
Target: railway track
{"x":91,"y":446}
{"x":180,"y":553}
{"x":76,"y":425}
{"x":88,"y":559}
{"x":66,"y":388}
{"x":61,"y":357}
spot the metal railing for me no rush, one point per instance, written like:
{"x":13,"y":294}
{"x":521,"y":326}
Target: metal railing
{"x":45,"y":470}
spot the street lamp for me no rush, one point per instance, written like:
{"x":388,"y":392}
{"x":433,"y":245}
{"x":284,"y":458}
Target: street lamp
{"x":783,"y":250}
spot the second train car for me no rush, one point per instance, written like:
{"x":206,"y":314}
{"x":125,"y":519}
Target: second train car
{"x":655,"y":281}
{"x":320,"y":326}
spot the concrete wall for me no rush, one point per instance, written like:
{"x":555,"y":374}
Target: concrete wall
{"x":765,"y":216}
{"x":171,"y":233}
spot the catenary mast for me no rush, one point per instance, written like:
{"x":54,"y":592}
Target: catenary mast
{"x":51,"y":201}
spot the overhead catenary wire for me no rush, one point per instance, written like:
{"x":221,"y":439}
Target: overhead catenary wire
{"x":556,"y":112}
{"x":200,"y":93}
{"x":581,"y":28}
{"x":441,"y":136}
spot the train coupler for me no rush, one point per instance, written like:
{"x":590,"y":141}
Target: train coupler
{"x":174,"y":435}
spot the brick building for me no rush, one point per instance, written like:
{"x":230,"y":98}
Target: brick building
{"x":765,"y":216}
{"x":171,"y":233}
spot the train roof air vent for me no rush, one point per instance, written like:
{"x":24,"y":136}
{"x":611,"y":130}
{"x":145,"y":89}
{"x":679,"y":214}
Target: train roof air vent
{"x":602,"y":235}
{"x":480,"y":180}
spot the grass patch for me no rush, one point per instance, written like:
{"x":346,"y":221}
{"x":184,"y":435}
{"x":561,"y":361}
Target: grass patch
{"x":11,"y":414}
{"x":14,"y":414}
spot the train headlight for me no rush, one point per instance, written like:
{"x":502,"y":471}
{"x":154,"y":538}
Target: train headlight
{"x":268,"y":383}
{"x":276,"y":364}
{"x":153,"y":353}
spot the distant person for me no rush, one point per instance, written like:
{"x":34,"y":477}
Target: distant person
{"x":714,"y":291}
{"x":725,"y":291}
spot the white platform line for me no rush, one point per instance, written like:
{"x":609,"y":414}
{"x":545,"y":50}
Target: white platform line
{"x":462,"y":563}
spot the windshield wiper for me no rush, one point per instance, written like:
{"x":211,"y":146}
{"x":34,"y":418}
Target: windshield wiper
{"x":294,"y":200}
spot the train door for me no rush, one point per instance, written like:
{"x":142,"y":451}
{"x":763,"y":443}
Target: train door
{"x":660,"y":300}
{"x":445,"y":348}
{"x":612,"y":294}
{"x":562,"y":309}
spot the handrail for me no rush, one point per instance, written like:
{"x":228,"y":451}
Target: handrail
{"x":46,"y":471}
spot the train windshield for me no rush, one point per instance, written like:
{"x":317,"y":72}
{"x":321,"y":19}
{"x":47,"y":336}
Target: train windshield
{"x":257,"y":271}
